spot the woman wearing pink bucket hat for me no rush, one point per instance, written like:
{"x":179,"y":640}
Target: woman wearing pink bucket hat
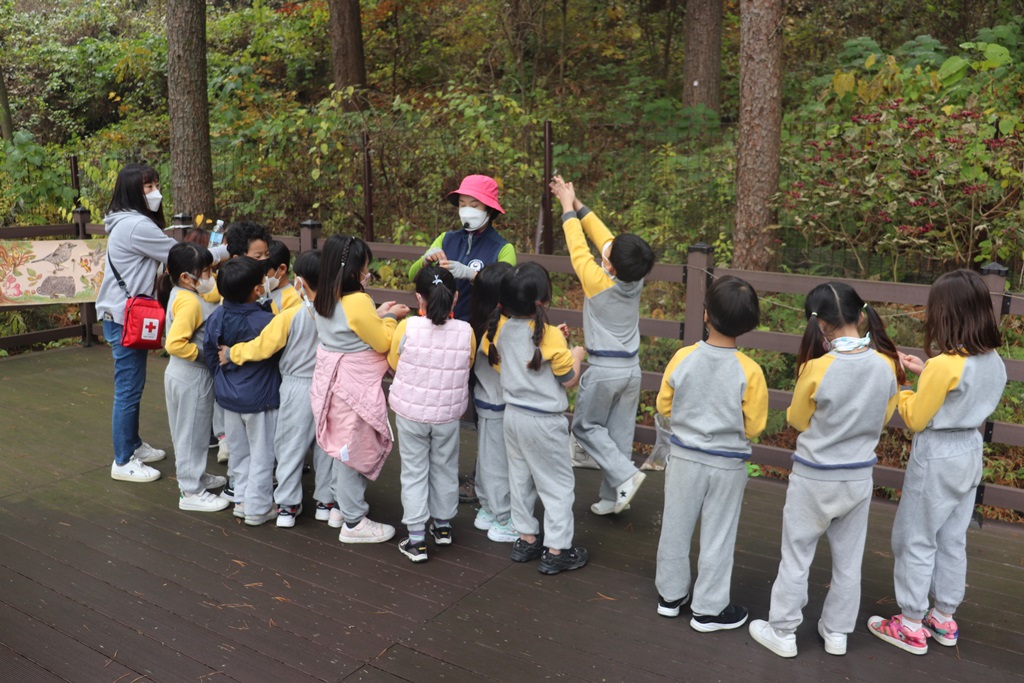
{"x":474,"y":243}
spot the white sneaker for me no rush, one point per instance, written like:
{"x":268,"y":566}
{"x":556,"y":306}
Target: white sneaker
{"x":222,"y":450}
{"x":239,"y":510}
{"x":201,"y":502}
{"x":579,"y":457}
{"x":335,"y":519}
{"x":286,"y":515}
{"x":146,"y":453}
{"x":782,"y":644}
{"x":483,"y":520}
{"x":503,"y":533}
{"x":367,"y":531}
{"x":213,"y":481}
{"x":257,"y":520}
{"x":835,"y":643}
{"x":323,"y":511}
{"x":627,"y":490}
{"x":605,"y":507}
{"x":133,"y":470}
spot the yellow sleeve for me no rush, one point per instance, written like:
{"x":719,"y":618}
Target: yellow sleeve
{"x":667,"y":392}
{"x":555,"y":350}
{"x":213,"y":296}
{"x":592,"y":276}
{"x":290,"y":298}
{"x":940,"y":376}
{"x":802,"y":407}
{"x":895,"y":398}
{"x":472,"y":348}
{"x":418,"y":263}
{"x":508,"y":254}
{"x":363,"y":320}
{"x":271,"y":339}
{"x":597,"y":231}
{"x":396,"y":343}
{"x":755,"y":398}
{"x":188,"y":316}
{"x":485,"y":343}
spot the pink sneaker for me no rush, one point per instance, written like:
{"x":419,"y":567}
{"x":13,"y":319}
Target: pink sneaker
{"x":895,"y":632}
{"x":944,"y":632}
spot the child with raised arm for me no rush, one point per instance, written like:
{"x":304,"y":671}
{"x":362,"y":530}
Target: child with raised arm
{"x":845,"y":393}
{"x":716,"y":400}
{"x":957,"y":389}
{"x":609,"y":391}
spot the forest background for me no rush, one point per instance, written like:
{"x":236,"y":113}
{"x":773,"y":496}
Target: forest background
{"x":901,"y":152}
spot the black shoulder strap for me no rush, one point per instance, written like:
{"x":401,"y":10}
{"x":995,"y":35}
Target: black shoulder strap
{"x":117,"y":275}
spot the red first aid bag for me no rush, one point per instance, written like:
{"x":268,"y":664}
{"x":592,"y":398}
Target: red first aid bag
{"x":143,"y":323}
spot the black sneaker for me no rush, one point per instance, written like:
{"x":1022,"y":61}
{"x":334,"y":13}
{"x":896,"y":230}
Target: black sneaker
{"x":467,"y":490}
{"x":567,"y":560}
{"x":524,"y":552}
{"x":416,"y":553}
{"x":214,"y":441}
{"x":671,"y":608}
{"x":442,"y":534}
{"x":732,"y":616}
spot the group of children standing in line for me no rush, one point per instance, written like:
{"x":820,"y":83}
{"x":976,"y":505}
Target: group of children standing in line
{"x":294,"y":365}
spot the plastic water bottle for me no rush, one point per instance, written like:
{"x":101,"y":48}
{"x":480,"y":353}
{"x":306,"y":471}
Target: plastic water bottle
{"x":217,"y":236}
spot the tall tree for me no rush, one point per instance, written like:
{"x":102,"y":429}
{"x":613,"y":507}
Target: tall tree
{"x":188,"y":106}
{"x":702,"y":66}
{"x":348,"y":62}
{"x":760,"y":130}
{"x":6,"y":124}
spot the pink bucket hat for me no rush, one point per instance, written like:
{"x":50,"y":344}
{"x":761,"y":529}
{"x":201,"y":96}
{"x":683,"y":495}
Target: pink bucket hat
{"x":481,"y":187}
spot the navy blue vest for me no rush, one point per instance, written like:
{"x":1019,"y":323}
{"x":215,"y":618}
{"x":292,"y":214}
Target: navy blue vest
{"x":476,"y":250}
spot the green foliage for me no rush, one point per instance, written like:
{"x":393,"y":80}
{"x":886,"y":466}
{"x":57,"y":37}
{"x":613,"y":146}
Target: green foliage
{"x":34,"y":192}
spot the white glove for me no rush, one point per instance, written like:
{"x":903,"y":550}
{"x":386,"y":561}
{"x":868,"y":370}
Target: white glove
{"x":460,"y":270}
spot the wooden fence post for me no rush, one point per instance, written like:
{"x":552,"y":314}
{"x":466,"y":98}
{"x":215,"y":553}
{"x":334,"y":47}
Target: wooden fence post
{"x":367,"y":189}
{"x":80,"y":217}
{"x":309,"y":234}
{"x":700,"y":261}
{"x":182,"y":224}
{"x":994,"y":275}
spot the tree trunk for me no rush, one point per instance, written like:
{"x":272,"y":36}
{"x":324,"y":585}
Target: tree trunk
{"x":348,"y":63}
{"x":188,"y":108}
{"x":760,"y":129}
{"x":6,"y":124}
{"x":702,"y":67}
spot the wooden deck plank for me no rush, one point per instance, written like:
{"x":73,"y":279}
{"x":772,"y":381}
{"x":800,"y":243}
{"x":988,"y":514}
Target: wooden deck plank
{"x":17,"y":669}
{"x":404,"y":663}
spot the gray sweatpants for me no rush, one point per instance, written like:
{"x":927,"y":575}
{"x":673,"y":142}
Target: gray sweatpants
{"x":492,"y":464}
{"x":604,"y":421}
{"x":838,"y":509}
{"x":349,"y":491}
{"x":536,"y":446}
{"x":323,"y":475}
{"x":251,"y":443}
{"x":430,"y":471}
{"x":295,"y":432}
{"x":188,"y":391}
{"x":929,"y":535}
{"x":714,"y":495}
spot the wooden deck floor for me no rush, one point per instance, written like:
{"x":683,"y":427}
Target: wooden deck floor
{"x":109,"y":582}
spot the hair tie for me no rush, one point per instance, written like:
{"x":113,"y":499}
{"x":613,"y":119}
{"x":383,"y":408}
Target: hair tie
{"x":864,"y":307}
{"x":342,"y":264}
{"x":814,"y":314}
{"x":437,"y":280}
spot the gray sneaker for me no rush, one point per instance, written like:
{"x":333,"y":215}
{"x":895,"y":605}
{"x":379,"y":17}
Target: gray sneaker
{"x":146,"y":453}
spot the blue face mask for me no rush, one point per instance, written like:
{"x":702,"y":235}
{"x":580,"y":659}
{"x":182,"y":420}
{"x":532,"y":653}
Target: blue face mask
{"x":849,"y":344}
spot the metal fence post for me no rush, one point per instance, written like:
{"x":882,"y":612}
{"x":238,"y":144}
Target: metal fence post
{"x":76,"y":180}
{"x":549,"y":240}
{"x":994,"y":275}
{"x":700,"y":261}
{"x":182,"y":224}
{"x":309,"y":234}
{"x":80,"y":217}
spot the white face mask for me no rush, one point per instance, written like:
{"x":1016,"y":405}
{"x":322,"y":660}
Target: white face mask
{"x":271,"y":283}
{"x":153,"y":200}
{"x":472,"y":219}
{"x":204,"y":285}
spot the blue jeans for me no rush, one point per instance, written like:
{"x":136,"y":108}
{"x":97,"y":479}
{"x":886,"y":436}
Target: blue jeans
{"x":129,"y":381}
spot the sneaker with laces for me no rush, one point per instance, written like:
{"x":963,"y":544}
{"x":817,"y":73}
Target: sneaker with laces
{"x":525,"y":552}
{"x":201,"y":502}
{"x":222,"y":450}
{"x":627,"y":490}
{"x":944,"y":632}
{"x":228,"y":493}
{"x":335,"y":519}
{"x":483,"y":520}
{"x":502,"y":533}
{"x":367,"y":531}
{"x":835,"y":643}
{"x":286,"y":515}
{"x":670,"y":608}
{"x":134,"y":470}
{"x":782,"y":644}
{"x":323,"y":511}
{"x":895,"y":632}
{"x":606,"y":507}
{"x":567,"y":560}
{"x":732,"y":616}
{"x":442,"y":534}
{"x":414,"y":550}
{"x":213,"y":481}
{"x":260,"y":520}
{"x":146,"y":453}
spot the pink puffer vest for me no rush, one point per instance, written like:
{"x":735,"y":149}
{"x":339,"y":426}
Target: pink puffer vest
{"x":432,"y":379}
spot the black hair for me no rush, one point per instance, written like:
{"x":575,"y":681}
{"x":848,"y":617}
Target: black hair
{"x":631,"y":257}
{"x":959,"y":318}
{"x":341,"y":263}
{"x":838,"y":304}
{"x":128,"y":195}
{"x":238,"y":277}
{"x":307,"y":266}
{"x":280,"y":255}
{"x":486,"y":295}
{"x":437,"y":287}
{"x":238,"y":236}
{"x":184,"y":257}
{"x":525,"y":292}
{"x":732,"y":306}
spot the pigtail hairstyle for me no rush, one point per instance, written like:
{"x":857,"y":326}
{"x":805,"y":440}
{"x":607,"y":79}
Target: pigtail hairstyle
{"x":882,"y":342}
{"x":486,"y":294}
{"x":341,"y":262}
{"x":493,"y":357}
{"x":437,"y":287}
{"x":526,"y":292}
{"x":959,"y":318}
{"x":128,"y":194}
{"x":184,"y":257}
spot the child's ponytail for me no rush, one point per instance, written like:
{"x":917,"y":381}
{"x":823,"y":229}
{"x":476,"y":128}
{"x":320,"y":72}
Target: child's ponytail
{"x":812,"y":344}
{"x":493,"y":357}
{"x":436,"y":286}
{"x":540,"y":321}
{"x":882,"y":342}
{"x":163,"y":289}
